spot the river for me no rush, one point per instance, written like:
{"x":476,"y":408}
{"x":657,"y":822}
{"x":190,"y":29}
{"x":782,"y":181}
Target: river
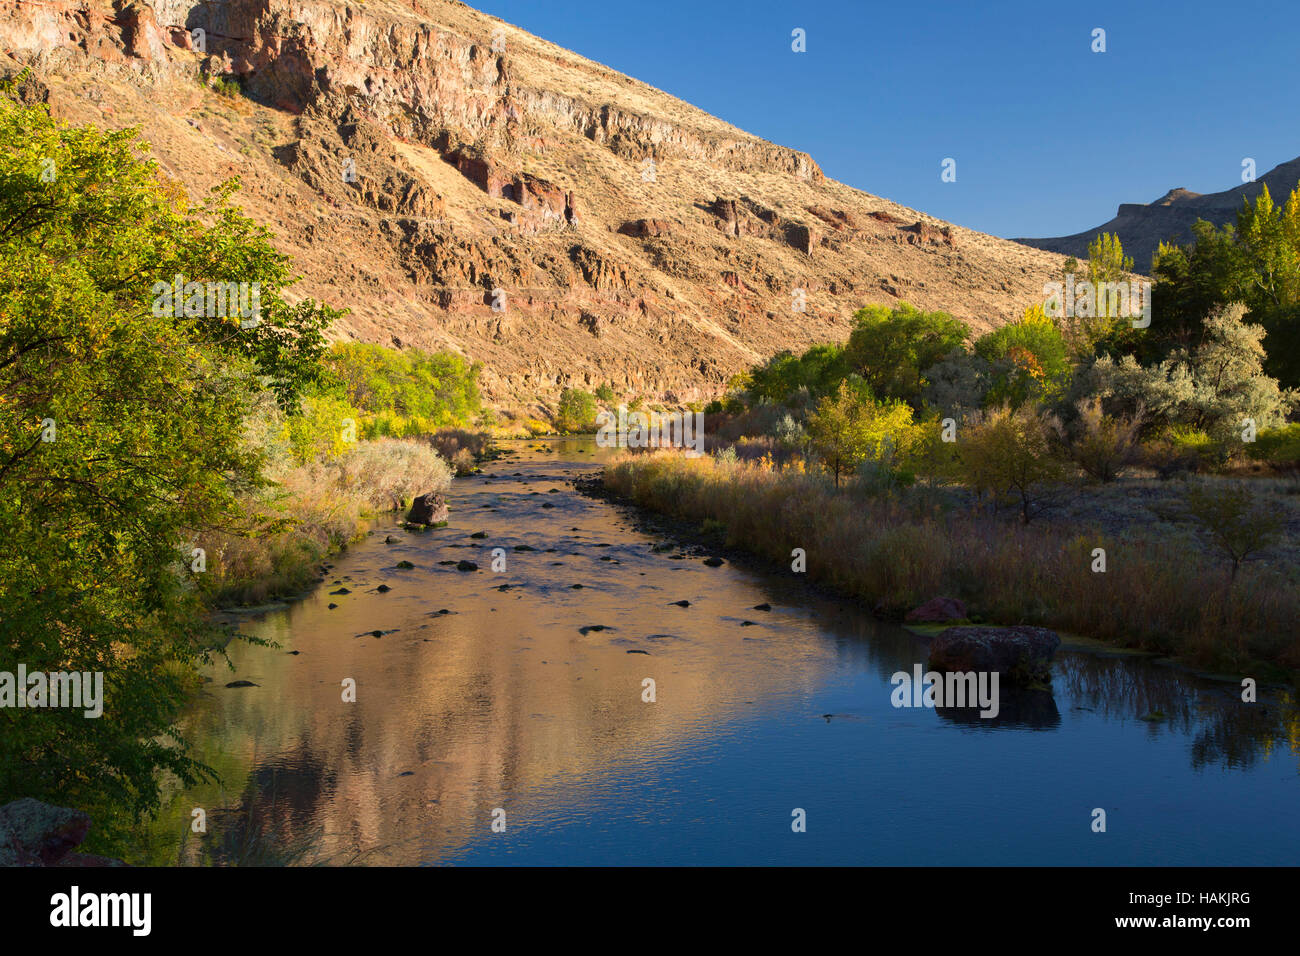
{"x":501,"y":717}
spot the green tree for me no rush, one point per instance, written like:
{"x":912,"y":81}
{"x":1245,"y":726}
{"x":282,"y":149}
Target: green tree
{"x":433,"y":389}
{"x":849,"y":428}
{"x":890,"y":348}
{"x":121,"y":437}
{"x":576,"y":412}
{"x":1239,"y":525}
{"x":1029,"y":360}
{"x":1256,"y":262}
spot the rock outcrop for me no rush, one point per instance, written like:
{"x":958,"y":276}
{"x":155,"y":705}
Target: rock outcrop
{"x":458,"y":183}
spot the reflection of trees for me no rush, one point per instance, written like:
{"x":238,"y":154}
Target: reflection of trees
{"x":1225,"y":730}
{"x":1129,"y":688}
{"x":1245,"y":732}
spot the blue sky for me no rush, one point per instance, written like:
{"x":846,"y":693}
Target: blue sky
{"x":1048,"y":137}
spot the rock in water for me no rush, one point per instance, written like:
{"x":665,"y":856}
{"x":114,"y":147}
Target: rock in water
{"x":1021,"y":654}
{"x":938,"y":610}
{"x":428,"y":509}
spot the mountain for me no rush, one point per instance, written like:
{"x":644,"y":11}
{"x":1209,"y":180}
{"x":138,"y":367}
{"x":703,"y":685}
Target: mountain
{"x":416,"y":157}
{"x":1141,"y":228}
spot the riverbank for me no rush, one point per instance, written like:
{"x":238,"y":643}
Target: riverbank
{"x":318,"y":509}
{"x":1161,"y":590}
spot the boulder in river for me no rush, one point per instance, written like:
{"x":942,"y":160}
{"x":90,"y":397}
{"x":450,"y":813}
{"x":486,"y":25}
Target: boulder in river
{"x":1020,"y":654}
{"x":939,"y":610}
{"x":428,"y":509}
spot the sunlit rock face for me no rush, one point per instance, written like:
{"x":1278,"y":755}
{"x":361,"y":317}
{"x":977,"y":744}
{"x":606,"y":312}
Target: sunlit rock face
{"x":458,"y":183}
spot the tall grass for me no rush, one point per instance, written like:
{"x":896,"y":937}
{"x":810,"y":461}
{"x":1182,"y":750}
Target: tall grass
{"x":310,"y":511}
{"x":1162,"y":590}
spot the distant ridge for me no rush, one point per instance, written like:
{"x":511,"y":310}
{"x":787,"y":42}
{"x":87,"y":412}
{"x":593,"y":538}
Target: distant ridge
{"x":1142,"y":227}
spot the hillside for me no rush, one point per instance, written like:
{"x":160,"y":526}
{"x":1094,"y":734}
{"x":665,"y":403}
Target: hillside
{"x":488,"y":159}
{"x":1141,"y":227}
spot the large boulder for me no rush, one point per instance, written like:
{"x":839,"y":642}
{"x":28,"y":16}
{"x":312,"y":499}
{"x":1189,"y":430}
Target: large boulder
{"x":1020,"y":654}
{"x":939,"y":610}
{"x":428,"y":509}
{"x":38,"y":834}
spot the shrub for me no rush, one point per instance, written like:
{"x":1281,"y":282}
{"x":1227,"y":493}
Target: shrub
{"x":453,"y":443}
{"x":576,"y":412}
{"x":1011,"y":454}
{"x":1214,"y":387}
{"x":880,"y":551}
{"x":1280,"y":446}
{"x":386,"y":473}
{"x":1102,"y":445}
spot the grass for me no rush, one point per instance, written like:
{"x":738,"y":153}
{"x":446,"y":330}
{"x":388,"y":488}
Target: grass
{"x":313,"y":510}
{"x":1163,"y":590}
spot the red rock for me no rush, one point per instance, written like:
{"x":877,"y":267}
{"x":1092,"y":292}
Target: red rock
{"x":645,"y":228}
{"x":939,"y":610}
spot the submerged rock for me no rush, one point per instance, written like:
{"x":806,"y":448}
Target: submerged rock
{"x":1022,"y":654}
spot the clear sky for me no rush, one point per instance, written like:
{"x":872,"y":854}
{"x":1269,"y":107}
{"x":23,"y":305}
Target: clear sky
{"x":1048,"y":136}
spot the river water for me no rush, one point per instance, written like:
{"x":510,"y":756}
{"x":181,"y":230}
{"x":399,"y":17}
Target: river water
{"x":489,"y":698}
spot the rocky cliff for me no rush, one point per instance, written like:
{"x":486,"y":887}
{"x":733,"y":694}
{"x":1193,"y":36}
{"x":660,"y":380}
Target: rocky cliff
{"x":1141,"y":227}
{"x":458,"y":183}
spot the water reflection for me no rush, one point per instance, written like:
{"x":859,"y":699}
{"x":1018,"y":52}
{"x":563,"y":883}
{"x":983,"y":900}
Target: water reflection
{"x":525,"y":690}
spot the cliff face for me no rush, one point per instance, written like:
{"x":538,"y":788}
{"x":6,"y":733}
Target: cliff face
{"x":458,"y":183}
{"x":1141,"y":227}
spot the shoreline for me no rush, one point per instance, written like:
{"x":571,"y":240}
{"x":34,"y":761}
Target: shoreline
{"x":597,"y":486}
